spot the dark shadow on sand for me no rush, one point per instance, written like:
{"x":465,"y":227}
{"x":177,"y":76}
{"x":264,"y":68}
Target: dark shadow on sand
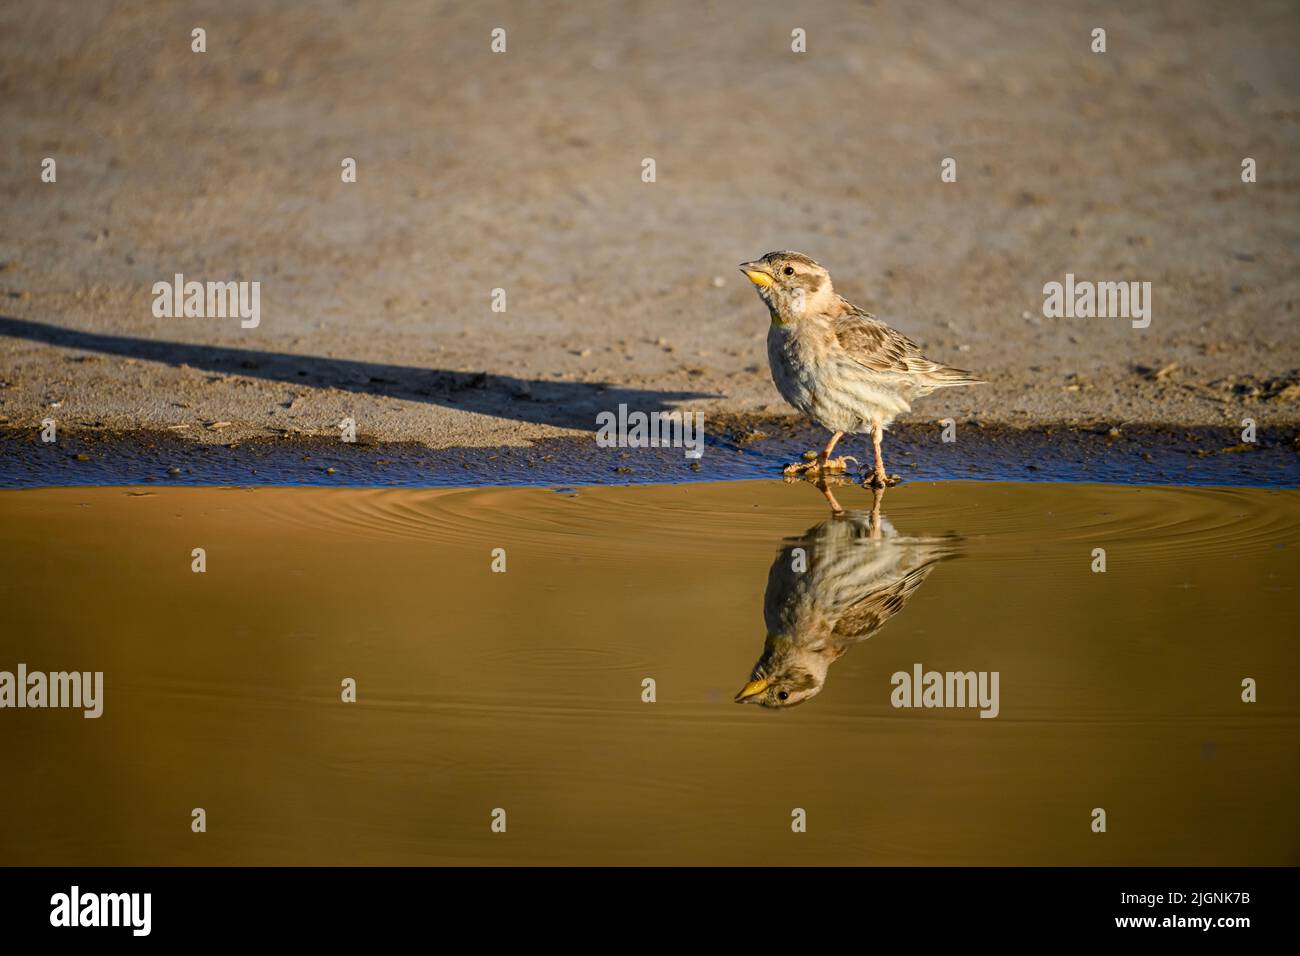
{"x":563,"y":404}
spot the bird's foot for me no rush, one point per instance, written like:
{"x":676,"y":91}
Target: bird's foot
{"x":814,"y":465}
{"x":811,"y":463}
{"x":879,"y":479}
{"x":820,"y":478}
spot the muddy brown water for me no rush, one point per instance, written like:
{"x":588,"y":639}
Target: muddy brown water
{"x":523,"y":690}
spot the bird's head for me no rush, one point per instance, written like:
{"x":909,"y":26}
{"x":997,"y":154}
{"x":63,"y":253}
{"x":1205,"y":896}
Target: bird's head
{"x":785,"y":689}
{"x":790,"y":284}
{"x":788,"y":673}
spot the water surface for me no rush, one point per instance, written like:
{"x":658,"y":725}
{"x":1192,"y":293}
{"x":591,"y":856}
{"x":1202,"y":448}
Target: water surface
{"x":523,"y":690}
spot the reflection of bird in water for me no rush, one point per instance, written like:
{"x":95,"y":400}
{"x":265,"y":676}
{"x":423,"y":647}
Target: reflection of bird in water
{"x":834,"y":587}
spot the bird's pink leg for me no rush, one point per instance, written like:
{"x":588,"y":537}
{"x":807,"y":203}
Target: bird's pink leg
{"x":829,"y":495}
{"x":877,"y":495}
{"x":878,"y":477}
{"x":823,"y":461}
{"x":826,"y":452}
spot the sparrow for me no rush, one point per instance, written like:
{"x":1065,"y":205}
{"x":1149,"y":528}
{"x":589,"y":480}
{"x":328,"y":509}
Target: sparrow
{"x":836,"y":363}
{"x":854,"y":573}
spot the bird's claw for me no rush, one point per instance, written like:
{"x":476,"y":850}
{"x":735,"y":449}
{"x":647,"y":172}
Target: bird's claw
{"x":811,"y":462}
{"x":818,"y":467}
{"x":879,"y":479}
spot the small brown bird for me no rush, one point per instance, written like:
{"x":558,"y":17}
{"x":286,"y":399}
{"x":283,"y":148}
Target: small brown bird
{"x":836,"y":363}
{"x":834,"y":587}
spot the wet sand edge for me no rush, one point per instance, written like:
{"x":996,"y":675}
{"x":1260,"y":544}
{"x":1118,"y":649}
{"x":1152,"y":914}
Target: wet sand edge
{"x":736,"y":447}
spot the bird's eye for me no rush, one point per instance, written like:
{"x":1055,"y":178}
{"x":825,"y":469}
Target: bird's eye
{"x":788,"y":270}
{"x":783,"y":695}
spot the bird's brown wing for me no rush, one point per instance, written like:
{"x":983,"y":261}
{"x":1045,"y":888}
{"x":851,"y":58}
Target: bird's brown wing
{"x":869,"y":615}
{"x":873,"y":344}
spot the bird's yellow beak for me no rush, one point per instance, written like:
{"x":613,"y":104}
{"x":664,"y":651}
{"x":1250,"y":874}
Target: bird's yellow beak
{"x":757,"y":273}
{"x":752,"y":689}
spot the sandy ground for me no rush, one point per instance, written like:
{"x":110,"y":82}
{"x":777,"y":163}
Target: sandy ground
{"x":522,"y":171}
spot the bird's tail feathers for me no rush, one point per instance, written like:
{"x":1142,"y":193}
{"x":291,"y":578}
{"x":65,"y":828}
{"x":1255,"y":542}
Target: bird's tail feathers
{"x":945,"y":376}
